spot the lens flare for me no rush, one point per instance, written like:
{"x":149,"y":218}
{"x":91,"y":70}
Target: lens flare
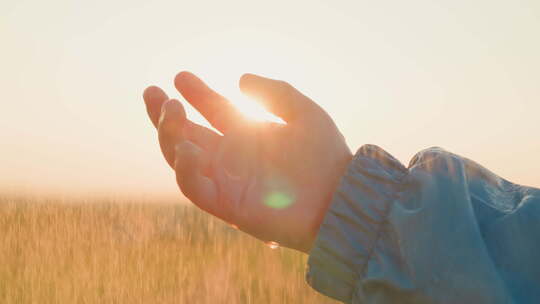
{"x":278,"y":200}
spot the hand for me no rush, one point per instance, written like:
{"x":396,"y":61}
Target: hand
{"x":273,"y":181}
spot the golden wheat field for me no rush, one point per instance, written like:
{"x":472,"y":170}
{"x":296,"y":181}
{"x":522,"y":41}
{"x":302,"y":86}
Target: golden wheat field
{"x":131,"y":252}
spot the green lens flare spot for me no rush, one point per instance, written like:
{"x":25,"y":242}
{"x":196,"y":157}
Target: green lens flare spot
{"x":278,"y":200}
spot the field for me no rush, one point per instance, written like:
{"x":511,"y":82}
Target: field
{"x":63,"y":251}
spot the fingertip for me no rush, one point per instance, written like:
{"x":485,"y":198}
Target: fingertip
{"x":173,"y":110}
{"x":153,"y":93}
{"x":183,"y":78}
{"x":247,"y":76}
{"x":172,"y":104}
{"x":246,"y":80}
{"x":149,"y":90}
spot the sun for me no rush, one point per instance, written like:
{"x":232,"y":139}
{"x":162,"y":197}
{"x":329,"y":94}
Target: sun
{"x":252,"y":109}
{"x":226,"y":84}
{"x":222,"y":69}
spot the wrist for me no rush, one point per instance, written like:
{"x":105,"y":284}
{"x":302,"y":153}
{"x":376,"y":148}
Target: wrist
{"x":326,"y":198}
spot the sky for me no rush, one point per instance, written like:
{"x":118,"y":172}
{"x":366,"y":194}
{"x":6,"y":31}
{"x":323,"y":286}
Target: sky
{"x":404,"y":75}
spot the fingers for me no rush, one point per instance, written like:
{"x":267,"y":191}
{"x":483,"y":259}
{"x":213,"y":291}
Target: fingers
{"x":154,"y":97}
{"x":279,"y":97}
{"x":170,"y":128}
{"x":188,"y":160}
{"x":215,"y":108}
{"x":190,"y":163}
{"x":173,"y":126}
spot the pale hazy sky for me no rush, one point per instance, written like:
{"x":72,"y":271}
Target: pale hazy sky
{"x":405,"y":75}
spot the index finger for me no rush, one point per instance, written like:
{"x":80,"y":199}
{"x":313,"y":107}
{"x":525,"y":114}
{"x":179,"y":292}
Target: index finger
{"x":219,"y":112}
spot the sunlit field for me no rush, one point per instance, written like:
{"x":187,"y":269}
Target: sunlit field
{"x":132,"y":252}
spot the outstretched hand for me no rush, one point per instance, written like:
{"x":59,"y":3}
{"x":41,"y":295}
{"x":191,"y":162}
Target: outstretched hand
{"x":273,"y":181}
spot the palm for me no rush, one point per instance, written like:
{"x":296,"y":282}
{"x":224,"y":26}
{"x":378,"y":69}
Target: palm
{"x":271,"y":180}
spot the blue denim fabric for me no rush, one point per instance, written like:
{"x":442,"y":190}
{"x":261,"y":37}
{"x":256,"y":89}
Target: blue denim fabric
{"x":443,"y":230}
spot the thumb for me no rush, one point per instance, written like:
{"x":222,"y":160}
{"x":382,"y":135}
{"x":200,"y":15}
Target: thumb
{"x":279,"y":97}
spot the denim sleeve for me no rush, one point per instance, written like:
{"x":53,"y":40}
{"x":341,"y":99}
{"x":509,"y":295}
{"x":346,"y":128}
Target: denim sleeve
{"x":443,"y":230}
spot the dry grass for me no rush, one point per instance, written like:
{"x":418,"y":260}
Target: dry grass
{"x":121,"y":252}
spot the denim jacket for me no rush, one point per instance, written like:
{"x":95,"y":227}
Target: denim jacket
{"x":443,"y":230}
